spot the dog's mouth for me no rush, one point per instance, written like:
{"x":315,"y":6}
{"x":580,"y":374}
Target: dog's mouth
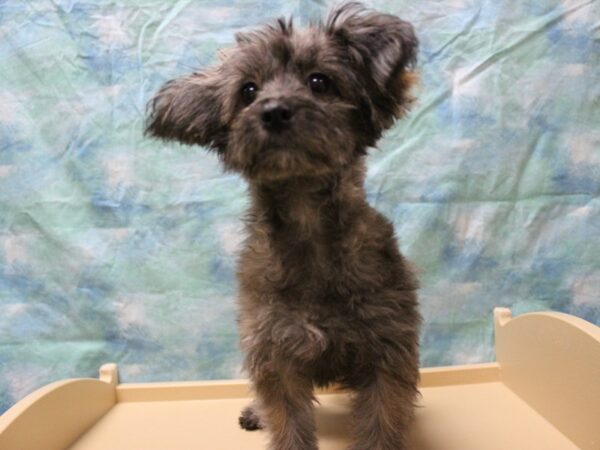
{"x":278,"y":159}
{"x":282,"y":142}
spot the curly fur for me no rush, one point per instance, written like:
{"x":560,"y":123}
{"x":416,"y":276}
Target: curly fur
{"x":324,"y":294}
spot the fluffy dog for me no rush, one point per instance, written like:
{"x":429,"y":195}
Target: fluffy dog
{"x":324,"y":294}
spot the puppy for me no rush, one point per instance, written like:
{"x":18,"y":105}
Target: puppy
{"x":324,"y":294}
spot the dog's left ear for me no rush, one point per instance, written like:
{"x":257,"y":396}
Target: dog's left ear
{"x":383,"y":48}
{"x":188,"y":109}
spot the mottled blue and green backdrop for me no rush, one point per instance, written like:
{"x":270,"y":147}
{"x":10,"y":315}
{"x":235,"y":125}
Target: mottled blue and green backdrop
{"x":117,"y":248}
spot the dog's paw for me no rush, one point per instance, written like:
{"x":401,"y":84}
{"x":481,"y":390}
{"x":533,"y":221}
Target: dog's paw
{"x":249,"y":420}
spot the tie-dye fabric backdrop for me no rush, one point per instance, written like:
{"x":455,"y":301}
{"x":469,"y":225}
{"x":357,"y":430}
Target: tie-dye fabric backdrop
{"x":117,"y":248}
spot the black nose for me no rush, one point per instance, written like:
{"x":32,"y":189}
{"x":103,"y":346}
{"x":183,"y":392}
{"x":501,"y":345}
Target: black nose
{"x":276,"y":116}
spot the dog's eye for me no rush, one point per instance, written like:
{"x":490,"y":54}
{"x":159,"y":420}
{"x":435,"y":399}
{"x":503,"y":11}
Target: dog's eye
{"x":319,"y":83}
{"x":249,"y":91}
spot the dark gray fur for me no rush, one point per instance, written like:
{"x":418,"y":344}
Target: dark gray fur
{"x":324,"y":294}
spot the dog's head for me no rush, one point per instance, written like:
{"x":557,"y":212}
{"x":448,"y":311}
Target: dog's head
{"x":286,"y":102}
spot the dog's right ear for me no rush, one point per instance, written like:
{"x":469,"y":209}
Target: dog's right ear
{"x":188,"y":110}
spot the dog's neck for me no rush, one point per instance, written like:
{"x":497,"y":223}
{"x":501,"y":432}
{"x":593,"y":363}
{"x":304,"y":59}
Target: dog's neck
{"x":305,"y":208}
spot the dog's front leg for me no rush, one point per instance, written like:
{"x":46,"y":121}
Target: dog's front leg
{"x":383,"y":410}
{"x":285,"y":402}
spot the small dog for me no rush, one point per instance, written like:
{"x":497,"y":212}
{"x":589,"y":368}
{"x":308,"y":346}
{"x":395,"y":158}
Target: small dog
{"x":324,"y":294}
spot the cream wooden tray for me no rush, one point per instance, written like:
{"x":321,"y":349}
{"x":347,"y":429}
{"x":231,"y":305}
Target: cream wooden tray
{"x":543,"y":393}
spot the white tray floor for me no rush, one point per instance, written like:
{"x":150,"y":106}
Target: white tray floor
{"x":484,"y":416}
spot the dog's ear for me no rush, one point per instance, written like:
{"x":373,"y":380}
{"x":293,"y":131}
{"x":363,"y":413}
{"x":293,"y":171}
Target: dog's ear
{"x":381,"y":47}
{"x":188,"y":109}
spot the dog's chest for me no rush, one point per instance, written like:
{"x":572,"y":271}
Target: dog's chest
{"x":327,"y":256}
{"x":299,"y":272}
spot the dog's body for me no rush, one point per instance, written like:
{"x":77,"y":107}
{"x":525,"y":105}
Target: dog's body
{"x":325,"y":295}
